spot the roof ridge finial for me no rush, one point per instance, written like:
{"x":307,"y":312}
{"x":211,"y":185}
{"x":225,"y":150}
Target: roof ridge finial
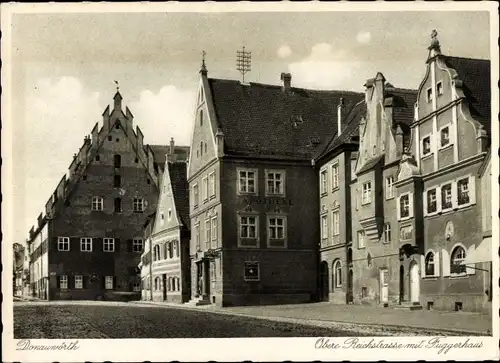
{"x":203,"y":69}
{"x":435,"y":42}
{"x":117,"y":86}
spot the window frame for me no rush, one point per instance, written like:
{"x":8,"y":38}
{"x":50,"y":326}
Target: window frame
{"x":452,"y":260}
{"x":429,"y":94}
{"x":441,"y":188}
{"x":211,"y":184}
{"x":437,"y":190}
{"x":426,"y":263}
{"x":107,"y":279}
{"x":256,"y":239}
{"x":138,"y":205}
{"x":78,"y":282}
{"x":197,"y":236}
{"x":208,"y":231}
{"x":108,"y":241}
{"x":63,"y":241}
{"x":387,"y":232}
{"x":389,"y":186}
{"x":337,"y":266}
{"x":282,"y":174}
{"x":422,"y":148}
{"x":410,"y":206}
{"x":255,"y":180}
{"x":97,"y":204}
{"x":204,"y":189}
{"x":437,"y":88}
{"x":323,"y":181}
{"x":364,"y":201}
{"x":214,"y":233}
{"x":360,"y":233}
{"x":324,"y":227}
{"x":277,"y":217}
{"x":336,"y":222}
{"x":84,"y":241}
{"x":196,"y":196}
{"x":450,"y":143}
{"x":335,"y":176}
{"x":134,"y":244}
{"x":65,"y":279}
{"x":257,"y":264}
{"x":471,"y":190}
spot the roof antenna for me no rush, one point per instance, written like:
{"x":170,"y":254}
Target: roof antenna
{"x":243,"y":62}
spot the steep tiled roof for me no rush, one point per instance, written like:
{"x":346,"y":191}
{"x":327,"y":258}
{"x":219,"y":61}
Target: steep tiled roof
{"x":160,"y":151}
{"x":350,"y":132}
{"x":180,"y":189}
{"x":264,"y":121}
{"x":403,"y":104}
{"x":475,"y":74}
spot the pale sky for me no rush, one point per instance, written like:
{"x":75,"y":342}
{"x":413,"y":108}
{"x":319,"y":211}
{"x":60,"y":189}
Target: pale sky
{"x":63,"y":68}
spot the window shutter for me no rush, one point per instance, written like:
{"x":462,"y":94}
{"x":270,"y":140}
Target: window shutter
{"x":437,"y":263}
{"x":410,"y":203}
{"x":438,"y":199}
{"x":85,"y":280}
{"x":54,"y":242}
{"x":129,"y":245}
{"x":117,"y":245}
{"x":398,"y":208}
{"x":472,"y":189}
{"x":446,"y":262}
{"x":71,"y":282}
{"x":114,"y":282}
{"x":103,"y":282}
{"x":454,"y":194}
{"x":58,"y":282}
{"x":470,"y":268}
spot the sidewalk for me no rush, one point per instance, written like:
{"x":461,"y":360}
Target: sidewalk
{"x":463,"y":323}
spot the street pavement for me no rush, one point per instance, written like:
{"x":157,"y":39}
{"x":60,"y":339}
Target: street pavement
{"x":320,"y":319}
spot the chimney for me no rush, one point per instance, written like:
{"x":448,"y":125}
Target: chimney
{"x":219,"y":137}
{"x":482,"y":140}
{"x":172,"y":146}
{"x":95,"y":136}
{"x":286,"y":81}
{"x":340,"y":115}
{"x":399,"y":141}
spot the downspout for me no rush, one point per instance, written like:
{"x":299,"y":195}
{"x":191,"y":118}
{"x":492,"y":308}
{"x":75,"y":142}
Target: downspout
{"x":150,"y":271}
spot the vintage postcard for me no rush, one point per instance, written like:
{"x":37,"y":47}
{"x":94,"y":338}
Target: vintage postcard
{"x":250,"y":181}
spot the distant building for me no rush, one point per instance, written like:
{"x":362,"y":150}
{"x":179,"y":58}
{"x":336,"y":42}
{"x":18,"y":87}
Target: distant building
{"x":442,"y":188}
{"x":87,"y":244}
{"x":166,"y":261}
{"x":253,"y":190}
{"x":20,"y":270}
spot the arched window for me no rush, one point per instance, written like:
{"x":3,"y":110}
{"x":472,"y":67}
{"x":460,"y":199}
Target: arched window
{"x":369,"y":260}
{"x":430,"y":269}
{"x":456,"y":262}
{"x":157,"y":283}
{"x":201,"y":148}
{"x":201,"y":117}
{"x":337,"y":270}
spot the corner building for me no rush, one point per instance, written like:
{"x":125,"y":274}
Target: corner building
{"x":253,"y":190}
{"x":88,"y":241}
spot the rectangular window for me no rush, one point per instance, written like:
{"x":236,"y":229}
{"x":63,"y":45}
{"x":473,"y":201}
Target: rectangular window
{"x":97,"y":203}
{"x":277,"y":231}
{"x":252,"y":272}
{"x":275,"y":183}
{"x":195,"y":196}
{"x":446,"y":196}
{"x":204,"y":189}
{"x":108,"y":245}
{"x":247,"y":181}
{"x":118,"y":205}
{"x":137,"y":245}
{"x":335,"y":176}
{"x":138,"y":205}
{"x":137,"y":285}
{"x":324,"y":227}
{"x":426,"y":145}
{"x":361,"y":239}
{"x":248,"y":227}
{"x":63,"y":282}
{"x":197,"y":237}
{"x":214,"y":232}
{"x":387,"y":233}
{"x":117,"y":181}
{"x":86,"y":244}
{"x":404,"y":206}
{"x":367,"y":193}
{"x":429,"y":94}
{"x":389,"y":187}
{"x":324,"y":182}
{"x":336,"y":223}
{"x":78,"y":282}
{"x":431,"y":201}
{"x":63,"y":243}
{"x":211,"y":180}
{"x":406,"y":233}
{"x":445,"y":136}
{"x":108,"y":282}
{"x":463,"y":191}
{"x":207,"y":234}
{"x":439,"y":88}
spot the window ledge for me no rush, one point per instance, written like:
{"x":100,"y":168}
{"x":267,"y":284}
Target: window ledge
{"x":274,"y":195}
{"x":389,"y":198}
{"x":447,"y":146}
{"x":430,"y":278}
{"x":212,"y":197}
{"x":323,"y":194}
{"x":246,"y":193}
{"x":335,"y":189}
{"x":432,"y":214}
{"x":426,"y":156}
{"x":404,"y":219}
{"x":458,"y":277}
{"x":366,"y":203}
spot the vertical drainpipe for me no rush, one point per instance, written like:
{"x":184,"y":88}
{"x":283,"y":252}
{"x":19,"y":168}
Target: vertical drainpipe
{"x":150,"y":270}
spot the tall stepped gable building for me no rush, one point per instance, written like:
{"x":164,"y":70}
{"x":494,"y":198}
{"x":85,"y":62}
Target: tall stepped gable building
{"x":253,"y":194}
{"x":88,"y":241}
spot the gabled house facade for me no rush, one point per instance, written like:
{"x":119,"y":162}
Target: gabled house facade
{"x":254,"y":196}
{"x":373,"y":254}
{"x":439,"y":185}
{"x":166,"y":260}
{"x":87,"y":243}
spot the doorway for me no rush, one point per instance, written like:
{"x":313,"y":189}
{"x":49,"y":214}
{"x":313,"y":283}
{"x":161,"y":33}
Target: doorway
{"x":414,"y":282}
{"x":350,"y":281}
{"x":324,"y":281}
{"x":401,"y":284}
{"x":384,"y":286}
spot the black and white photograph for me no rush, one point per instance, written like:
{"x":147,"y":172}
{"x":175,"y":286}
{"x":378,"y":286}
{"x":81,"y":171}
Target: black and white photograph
{"x":175,"y":176}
